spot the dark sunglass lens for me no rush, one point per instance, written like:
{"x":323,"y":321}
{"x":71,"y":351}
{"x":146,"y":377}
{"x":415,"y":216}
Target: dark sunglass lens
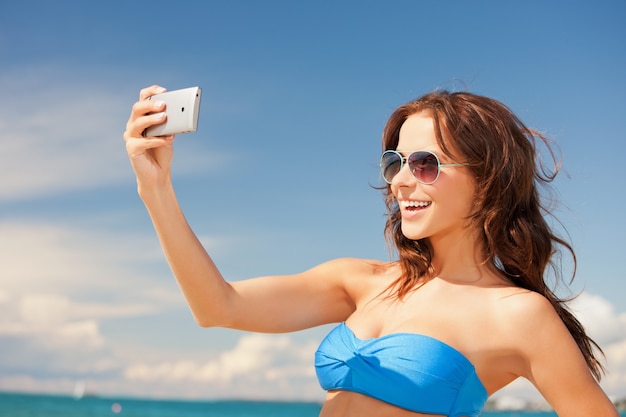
{"x":390,"y":165}
{"x":424,"y":166}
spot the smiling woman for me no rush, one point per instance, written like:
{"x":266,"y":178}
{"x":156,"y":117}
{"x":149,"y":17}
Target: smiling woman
{"x":461,"y":313}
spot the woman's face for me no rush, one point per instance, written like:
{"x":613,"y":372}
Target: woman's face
{"x":437,"y":210}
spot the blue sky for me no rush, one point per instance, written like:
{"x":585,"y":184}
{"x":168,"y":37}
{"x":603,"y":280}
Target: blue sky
{"x":279,"y":175}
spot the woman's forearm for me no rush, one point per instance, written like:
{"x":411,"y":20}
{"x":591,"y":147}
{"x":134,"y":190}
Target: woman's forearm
{"x":203,"y":286}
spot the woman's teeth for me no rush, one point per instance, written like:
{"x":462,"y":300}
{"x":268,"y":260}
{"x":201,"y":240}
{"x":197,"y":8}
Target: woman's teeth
{"x":415,"y":204}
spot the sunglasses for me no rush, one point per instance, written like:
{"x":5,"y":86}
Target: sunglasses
{"x":424,"y":165}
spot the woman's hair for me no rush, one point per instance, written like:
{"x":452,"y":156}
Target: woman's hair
{"x":501,"y":155}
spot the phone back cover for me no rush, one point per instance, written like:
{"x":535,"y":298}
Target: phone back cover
{"x":182,"y":111}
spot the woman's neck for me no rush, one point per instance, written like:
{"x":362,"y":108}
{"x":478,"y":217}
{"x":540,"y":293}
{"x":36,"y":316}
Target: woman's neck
{"x":460,"y":258}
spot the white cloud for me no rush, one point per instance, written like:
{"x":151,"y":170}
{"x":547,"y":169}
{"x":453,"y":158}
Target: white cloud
{"x":264,"y":356}
{"x":599,"y":318}
{"x":59,"y":138}
{"x":67,"y":135}
{"x":58,"y":284}
{"x":53,"y":335}
{"x":258,"y":366}
{"x":29,"y":383}
{"x":60,"y":349}
{"x":33,"y":314}
{"x":615,"y":379}
{"x":39,"y":257}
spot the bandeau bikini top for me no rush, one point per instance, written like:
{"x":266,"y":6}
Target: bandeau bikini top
{"x":411,"y":371}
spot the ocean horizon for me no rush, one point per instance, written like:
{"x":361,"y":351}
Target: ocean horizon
{"x":49,"y":405}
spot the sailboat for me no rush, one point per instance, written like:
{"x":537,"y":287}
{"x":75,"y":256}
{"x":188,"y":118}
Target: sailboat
{"x":79,"y":390}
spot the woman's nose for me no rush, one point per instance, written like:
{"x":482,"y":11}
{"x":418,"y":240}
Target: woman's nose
{"x":404,"y":176}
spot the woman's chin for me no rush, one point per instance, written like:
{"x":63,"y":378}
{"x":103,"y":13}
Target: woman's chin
{"x":411,"y":233}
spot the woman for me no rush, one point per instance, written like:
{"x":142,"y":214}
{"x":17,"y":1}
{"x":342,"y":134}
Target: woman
{"x":464,"y":310}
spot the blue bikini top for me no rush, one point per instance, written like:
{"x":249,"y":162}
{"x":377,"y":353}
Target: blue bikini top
{"x":411,"y":371}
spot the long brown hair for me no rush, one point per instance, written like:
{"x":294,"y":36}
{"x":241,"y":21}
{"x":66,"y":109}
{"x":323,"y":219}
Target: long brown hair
{"x":501,"y":153}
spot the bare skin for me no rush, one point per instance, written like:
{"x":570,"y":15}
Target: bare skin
{"x":506,"y":332}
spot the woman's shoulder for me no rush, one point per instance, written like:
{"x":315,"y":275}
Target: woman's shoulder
{"x":523,"y":314}
{"x":361,"y":276}
{"x":516,"y":302}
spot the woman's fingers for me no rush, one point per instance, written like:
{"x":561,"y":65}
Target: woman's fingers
{"x":136,"y":147}
{"x":150,"y":91}
{"x":137,"y":124}
{"x":145,"y":112}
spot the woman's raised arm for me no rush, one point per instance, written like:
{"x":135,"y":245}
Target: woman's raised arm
{"x":268,"y":304}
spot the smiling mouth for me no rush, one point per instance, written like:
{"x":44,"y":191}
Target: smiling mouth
{"x":414,"y":205}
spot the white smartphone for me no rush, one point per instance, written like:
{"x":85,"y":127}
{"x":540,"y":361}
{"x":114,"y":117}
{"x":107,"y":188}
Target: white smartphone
{"x":182,"y":108}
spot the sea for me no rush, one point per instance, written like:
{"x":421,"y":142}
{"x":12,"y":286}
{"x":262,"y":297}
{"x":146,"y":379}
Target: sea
{"x":30,"y":405}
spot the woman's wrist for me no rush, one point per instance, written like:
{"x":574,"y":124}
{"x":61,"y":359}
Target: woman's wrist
{"x":155,"y":193}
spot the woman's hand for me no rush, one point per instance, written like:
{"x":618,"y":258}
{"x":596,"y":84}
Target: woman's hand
{"x":151,"y":157}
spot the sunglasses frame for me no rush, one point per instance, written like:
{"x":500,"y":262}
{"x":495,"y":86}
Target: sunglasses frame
{"x":404,"y":161}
